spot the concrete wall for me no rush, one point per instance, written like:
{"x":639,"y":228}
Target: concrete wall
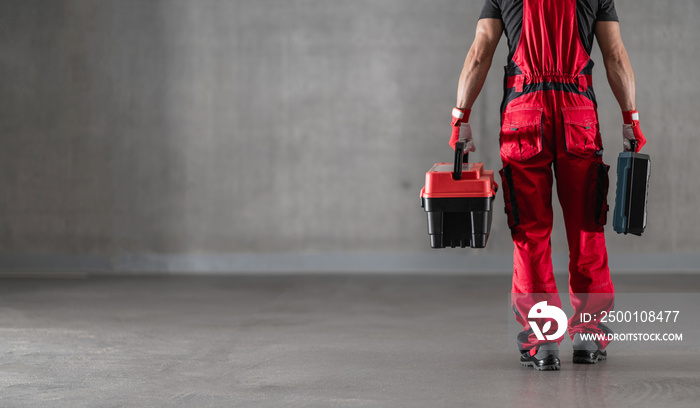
{"x":215,"y":126}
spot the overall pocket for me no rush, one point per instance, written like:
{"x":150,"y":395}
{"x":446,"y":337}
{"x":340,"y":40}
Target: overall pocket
{"x":509,"y":197}
{"x":521,"y":133}
{"x":601,"y":196}
{"x":581,"y":131}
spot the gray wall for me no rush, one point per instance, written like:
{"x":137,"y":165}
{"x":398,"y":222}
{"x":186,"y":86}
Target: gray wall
{"x":215,"y":126}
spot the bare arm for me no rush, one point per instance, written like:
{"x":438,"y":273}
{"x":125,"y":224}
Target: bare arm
{"x":617,"y":63}
{"x":478,"y":62}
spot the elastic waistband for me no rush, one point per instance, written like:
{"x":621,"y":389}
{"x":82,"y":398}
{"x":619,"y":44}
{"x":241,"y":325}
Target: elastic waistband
{"x":519,"y":81}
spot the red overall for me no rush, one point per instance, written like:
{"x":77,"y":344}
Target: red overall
{"x":549,"y":125}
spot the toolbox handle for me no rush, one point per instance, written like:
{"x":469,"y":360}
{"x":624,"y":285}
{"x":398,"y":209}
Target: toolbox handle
{"x":633,"y":145}
{"x":460,"y":158}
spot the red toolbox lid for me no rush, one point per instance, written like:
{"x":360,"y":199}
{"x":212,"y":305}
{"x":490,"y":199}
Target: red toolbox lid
{"x":475,"y":182}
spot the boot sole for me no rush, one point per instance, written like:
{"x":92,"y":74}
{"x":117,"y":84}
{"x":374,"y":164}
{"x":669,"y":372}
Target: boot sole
{"x":548,"y":367}
{"x":590,"y":359}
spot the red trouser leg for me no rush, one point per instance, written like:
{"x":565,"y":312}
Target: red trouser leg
{"x":533,"y":277}
{"x":527,"y":185}
{"x":580,"y":181}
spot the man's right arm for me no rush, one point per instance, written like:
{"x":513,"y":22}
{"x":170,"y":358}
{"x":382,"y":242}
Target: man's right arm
{"x":621,"y":79}
{"x":617,"y":63}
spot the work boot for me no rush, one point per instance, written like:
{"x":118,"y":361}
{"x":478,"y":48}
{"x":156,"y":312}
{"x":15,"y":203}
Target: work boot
{"x":587,"y":351}
{"x":546,"y":358}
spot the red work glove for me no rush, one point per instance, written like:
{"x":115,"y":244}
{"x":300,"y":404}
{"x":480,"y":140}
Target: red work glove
{"x":632,"y":131}
{"x":461,"y":131}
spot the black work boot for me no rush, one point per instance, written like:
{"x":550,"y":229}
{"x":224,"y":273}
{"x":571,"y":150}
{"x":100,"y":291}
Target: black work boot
{"x":546,"y":358}
{"x":587,"y":351}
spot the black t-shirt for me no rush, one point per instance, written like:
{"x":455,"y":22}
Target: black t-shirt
{"x":588,"y":13}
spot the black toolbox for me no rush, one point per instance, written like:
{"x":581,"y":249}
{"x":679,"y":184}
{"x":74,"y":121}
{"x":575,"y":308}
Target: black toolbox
{"x":633,"y":170}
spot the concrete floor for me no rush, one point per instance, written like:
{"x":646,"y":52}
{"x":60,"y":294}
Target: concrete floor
{"x":323,"y":341}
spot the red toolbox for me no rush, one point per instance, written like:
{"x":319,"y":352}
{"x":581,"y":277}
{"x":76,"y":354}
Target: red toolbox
{"x":458,"y":199}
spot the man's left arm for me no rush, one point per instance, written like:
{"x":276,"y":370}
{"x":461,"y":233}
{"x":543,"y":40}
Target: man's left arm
{"x":476,"y":67}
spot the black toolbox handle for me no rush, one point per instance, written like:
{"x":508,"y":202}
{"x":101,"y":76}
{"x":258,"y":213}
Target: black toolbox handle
{"x":633,"y":145}
{"x":460,"y":158}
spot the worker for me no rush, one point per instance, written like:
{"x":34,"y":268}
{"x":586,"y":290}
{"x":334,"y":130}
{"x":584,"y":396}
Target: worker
{"x":549,"y":128}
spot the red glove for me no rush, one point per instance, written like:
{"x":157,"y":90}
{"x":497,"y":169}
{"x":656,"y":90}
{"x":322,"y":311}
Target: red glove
{"x":632,"y":131}
{"x":461,"y":130}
